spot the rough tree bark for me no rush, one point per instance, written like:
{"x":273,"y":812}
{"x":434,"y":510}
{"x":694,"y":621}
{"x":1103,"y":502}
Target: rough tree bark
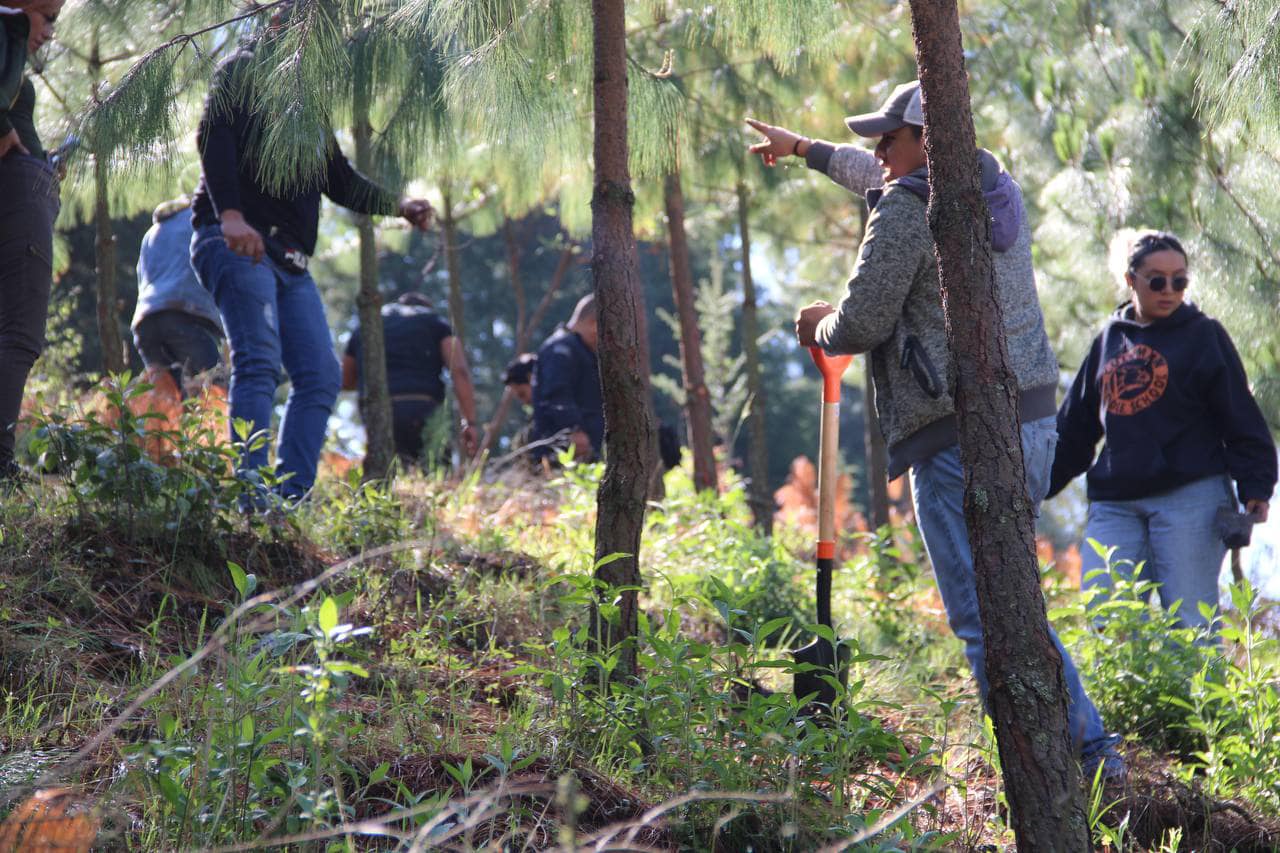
{"x":630,"y":440}
{"x":762,"y":505}
{"x":449,"y":225}
{"x":873,"y":439}
{"x":1027,"y":700}
{"x":697,"y":398}
{"x":113,"y":359}
{"x":375,"y":396}
{"x":877,"y":454}
{"x":105,"y":261}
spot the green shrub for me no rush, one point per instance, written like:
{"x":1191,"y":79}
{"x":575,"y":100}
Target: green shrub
{"x":1234,"y":709}
{"x":1138,"y":665}
{"x":351,"y":517}
{"x":111,"y":477}
{"x":260,"y":742}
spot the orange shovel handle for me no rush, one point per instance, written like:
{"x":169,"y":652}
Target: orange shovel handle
{"x":832,"y":367}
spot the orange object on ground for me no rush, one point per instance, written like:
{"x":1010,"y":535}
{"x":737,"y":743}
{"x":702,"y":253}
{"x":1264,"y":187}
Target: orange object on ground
{"x":55,"y":820}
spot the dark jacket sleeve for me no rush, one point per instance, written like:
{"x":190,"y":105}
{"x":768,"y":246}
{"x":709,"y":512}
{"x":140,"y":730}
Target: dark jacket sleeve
{"x":1250,"y":449}
{"x":13,"y":61}
{"x":353,"y":190}
{"x":555,"y":406}
{"x":1079,"y":425}
{"x":217,"y":137}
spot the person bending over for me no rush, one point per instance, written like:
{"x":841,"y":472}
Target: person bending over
{"x":420,"y":347}
{"x":568,"y":406}
{"x":176,"y":326}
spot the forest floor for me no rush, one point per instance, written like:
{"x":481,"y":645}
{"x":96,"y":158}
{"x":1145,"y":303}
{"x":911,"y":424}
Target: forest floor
{"x":411,"y":670}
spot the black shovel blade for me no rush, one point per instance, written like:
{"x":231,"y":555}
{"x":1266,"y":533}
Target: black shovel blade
{"x":821,"y":652}
{"x":822,"y":655}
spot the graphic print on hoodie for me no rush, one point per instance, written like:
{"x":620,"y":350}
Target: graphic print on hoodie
{"x":1134,"y":379}
{"x":1172,"y":401}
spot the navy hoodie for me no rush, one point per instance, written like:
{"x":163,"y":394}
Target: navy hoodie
{"x":566,"y":390}
{"x":1173,"y":404}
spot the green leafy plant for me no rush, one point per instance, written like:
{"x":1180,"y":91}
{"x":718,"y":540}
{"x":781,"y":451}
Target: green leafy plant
{"x":1138,"y":663}
{"x":263,"y":743}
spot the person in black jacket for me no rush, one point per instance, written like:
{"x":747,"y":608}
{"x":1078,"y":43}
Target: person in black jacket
{"x":568,"y":407}
{"x":250,"y":250}
{"x":1165,"y":390}
{"x":28,"y":207}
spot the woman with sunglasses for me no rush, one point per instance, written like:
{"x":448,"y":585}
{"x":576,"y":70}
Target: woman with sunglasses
{"x":1164,"y":388}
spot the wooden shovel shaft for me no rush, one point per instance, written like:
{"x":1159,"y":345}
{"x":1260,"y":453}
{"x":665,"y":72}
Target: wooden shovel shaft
{"x":831,"y":368}
{"x":828,"y":453}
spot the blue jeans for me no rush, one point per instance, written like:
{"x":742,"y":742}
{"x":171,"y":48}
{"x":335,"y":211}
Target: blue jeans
{"x":273,"y":318}
{"x":937,"y":487}
{"x":1172,"y":534}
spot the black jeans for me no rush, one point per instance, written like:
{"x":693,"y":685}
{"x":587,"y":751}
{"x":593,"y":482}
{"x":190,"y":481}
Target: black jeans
{"x":179,"y":342}
{"x":408,"y":419}
{"x":28,"y":207}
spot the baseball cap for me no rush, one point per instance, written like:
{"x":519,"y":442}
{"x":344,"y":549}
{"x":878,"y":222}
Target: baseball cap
{"x":901,"y":108}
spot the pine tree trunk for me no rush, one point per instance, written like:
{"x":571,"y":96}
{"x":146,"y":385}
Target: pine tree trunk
{"x":105,"y":248}
{"x":1028,"y":699}
{"x":877,"y":454}
{"x":105,"y":261}
{"x":517,"y":283}
{"x":630,"y":440}
{"x":697,"y":398}
{"x":375,"y":396}
{"x":450,"y":227}
{"x":873,"y":439}
{"x":762,"y":505}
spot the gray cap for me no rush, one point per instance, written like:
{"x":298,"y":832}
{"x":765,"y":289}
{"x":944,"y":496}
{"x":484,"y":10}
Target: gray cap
{"x":902,"y":108}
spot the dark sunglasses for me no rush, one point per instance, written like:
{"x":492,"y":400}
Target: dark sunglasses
{"x":1157,"y":282}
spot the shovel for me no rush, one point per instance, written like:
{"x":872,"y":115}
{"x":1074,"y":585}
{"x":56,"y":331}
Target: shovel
{"x":821,"y":653}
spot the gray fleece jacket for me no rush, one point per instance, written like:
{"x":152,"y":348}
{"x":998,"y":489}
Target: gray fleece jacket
{"x":893,"y":307}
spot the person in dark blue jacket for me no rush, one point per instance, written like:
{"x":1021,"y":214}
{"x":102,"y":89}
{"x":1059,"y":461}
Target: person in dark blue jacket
{"x":1165,"y":390}
{"x":568,"y":407}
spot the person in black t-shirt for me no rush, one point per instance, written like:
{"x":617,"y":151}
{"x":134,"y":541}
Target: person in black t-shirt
{"x":518,"y":376}
{"x":420,"y":347}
